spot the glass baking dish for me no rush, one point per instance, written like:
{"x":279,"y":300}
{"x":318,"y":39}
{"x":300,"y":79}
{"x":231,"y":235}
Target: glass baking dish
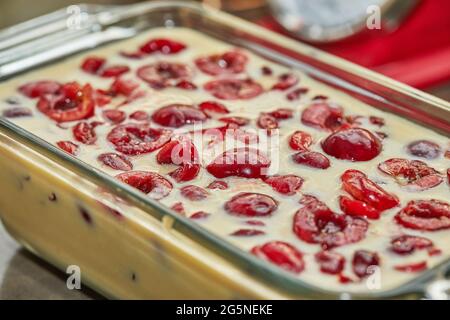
{"x":162,"y":254}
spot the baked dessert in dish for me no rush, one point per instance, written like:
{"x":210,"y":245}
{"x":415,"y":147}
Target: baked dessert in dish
{"x":329,"y":189}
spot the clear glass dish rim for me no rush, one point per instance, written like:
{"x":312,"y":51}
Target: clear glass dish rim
{"x":264,"y":271}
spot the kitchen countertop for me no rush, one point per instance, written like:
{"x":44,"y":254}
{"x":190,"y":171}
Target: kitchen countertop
{"x":24,"y":276}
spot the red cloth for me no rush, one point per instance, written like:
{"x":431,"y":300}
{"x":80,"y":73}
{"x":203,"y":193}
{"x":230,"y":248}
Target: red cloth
{"x":417,"y":53}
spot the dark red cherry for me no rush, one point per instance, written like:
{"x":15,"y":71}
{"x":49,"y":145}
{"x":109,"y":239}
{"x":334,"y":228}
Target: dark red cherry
{"x":330,"y":262}
{"x":312,"y":159}
{"x":407,"y":244}
{"x":163,"y":46}
{"x":85,"y":133}
{"x":251,"y":205}
{"x":364,"y":261}
{"x":135,"y":139}
{"x":116,"y":161}
{"x":194,"y":193}
{"x":234,"y":89}
{"x":323,"y":115}
{"x":178,"y":115}
{"x":354,"y":144}
{"x":240,"y":162}
{"x":424,"y":149}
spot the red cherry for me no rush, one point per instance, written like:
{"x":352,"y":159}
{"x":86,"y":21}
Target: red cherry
{"x":228,"y":63}
{"x":312,"y":159}
{"x":363,"y":261}
{"x":234,"y":89}
{"x":186,"y":172}
{"x":116,"y":161}
{"x":267,"y":71}
{"x":255,"y":223}
{"x":300,"y":141}
{"x":39,"y":88}
{"x":267,"y":122}
{"x":424,"y":149}
{"x":194,"y":193}
{"x":178,"y":152}
{"x":251,"y":205}
{"x":412,"y":267}
{"x":163,"y":46}
{"x":102,"y":98}
{"x":406,"y":169}
{"x":186,"y":85}
{"x":358,"y":208}
{"x":135,"y":139}
{"x":426,"y":182}
{"x":239,"y":121}
{"x":362,"y":188}
{"x":124,"y":87}
{"x":212,"y":106}
{"x":178,"y":208}
{"x":140,"y":116}
{"x":296,"y":94}
{"x":316,"y":223}
{"x":330,"y":262}
{"x":247,"y":233}
{"x":114,"y":71}
{"x":150,"y":183}
{"x":115,"y":116}
{"x":282,"y":114}
{"x":354,"y":144}
{"x":408,"y":244}
{"x":427,"y":215}
{"x":178,"y":115}
{"x":414,"y":174}
{"x":72,"y":102}
{"x":376,"y":121}
{"x":199,"y":215}
{"x":68,"y":147}
{"x":281,"y":254}
{"x":323,"y":115}
{"x":240,"y":162}
{"x":93,"y":65}
{"x":164,"y":74}
{"x":286,"y":81}
{"x":85,"y":133}
{"x":17,"y":112}
{"x":218,"y":185}
{"x":288,"y":184}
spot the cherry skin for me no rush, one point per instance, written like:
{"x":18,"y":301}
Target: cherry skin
{"x":354,"y":144}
